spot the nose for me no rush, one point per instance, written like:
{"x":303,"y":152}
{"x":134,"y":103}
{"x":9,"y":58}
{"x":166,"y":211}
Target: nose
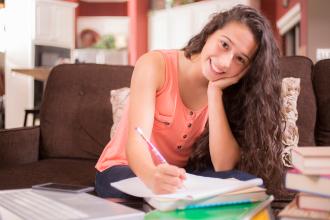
{"x":225,"y":60}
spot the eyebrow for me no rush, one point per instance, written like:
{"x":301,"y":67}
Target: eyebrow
{"x":243,"y":54}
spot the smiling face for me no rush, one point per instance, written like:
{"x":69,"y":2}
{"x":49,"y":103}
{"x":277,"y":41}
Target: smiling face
{"x":228,"y":51}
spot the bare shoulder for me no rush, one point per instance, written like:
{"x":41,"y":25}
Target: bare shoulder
{"x":150,"y":67}
{"x":152,"y":58}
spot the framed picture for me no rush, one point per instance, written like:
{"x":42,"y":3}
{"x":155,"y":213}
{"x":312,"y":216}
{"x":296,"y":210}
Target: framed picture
{"x":87,"y":38}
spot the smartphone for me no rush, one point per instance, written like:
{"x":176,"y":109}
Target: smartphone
{"x":63,"y":187}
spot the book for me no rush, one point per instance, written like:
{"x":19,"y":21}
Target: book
{"x":244,"y":211}
{"x":318,"y":184}
{"x":253,"y":194}
{"x":313,"y":202}
{"x":265,"y":214}
{"x":197,"y":189}
{"x":292,"y":212}
{"x":311,"y":160}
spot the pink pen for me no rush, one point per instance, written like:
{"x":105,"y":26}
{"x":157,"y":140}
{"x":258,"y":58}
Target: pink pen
{"x":153,"y":147}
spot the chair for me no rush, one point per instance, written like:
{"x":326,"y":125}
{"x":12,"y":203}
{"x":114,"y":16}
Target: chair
{"x":35,"y":115}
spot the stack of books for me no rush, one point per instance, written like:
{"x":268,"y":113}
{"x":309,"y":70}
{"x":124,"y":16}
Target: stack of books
{"x":206,"y":197}
{"x":311,"y":178}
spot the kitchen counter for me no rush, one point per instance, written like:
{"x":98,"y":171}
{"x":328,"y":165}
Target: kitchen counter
{"x":38,"y":73}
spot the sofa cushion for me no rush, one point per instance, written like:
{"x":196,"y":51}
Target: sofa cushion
{"x":301,"y":67}
{"x":81,"y":172}
{"x":19,"y":146}
{"x":321,"y":78}
{"x":76,"y":114}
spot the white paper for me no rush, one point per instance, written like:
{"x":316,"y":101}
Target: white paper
{"x":195,"y":187}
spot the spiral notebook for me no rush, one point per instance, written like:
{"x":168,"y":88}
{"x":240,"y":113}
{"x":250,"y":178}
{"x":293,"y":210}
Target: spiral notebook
{"x":197,"y":191}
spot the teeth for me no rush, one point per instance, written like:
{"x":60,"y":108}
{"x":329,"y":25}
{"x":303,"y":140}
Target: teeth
{"x":214,"y":68}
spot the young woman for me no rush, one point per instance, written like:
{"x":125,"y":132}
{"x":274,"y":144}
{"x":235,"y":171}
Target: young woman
{"x":214,"y":105}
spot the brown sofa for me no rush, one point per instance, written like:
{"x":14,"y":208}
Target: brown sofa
{"x":76,"y":117}
{"x":75,"y":122}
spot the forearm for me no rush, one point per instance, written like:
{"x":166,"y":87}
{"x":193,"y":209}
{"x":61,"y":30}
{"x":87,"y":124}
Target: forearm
{"x":224,"y":149}
{"x":139,"y":159}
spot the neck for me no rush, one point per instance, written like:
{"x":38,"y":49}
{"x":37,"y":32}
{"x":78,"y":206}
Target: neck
{"x":191,"y":70}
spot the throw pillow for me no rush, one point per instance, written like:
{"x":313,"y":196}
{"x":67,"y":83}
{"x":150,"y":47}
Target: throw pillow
{"x":289,"y":96}
{"x":118,"y":99}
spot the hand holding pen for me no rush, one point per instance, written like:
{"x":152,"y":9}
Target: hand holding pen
{"x":168,"y":173}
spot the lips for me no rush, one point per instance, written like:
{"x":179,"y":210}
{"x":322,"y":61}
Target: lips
{"x":214,"y":69}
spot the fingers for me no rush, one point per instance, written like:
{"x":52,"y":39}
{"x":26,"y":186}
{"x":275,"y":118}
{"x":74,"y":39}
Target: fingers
{"x":228,"y":81}
{"x":234,"y":79}
{"x":165,"y":189}
{"x":172,"y":170}
{"x":168,"y":179}
{"x":224,"y":82}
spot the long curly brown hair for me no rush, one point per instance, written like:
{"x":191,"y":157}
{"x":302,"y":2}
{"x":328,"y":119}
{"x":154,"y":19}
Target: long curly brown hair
{"x":252,"y":105}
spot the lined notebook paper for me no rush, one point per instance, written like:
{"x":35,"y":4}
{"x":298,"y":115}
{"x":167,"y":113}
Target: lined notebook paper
{"x":196,"y":188}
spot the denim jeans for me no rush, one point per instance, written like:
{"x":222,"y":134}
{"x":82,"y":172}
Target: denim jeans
{"x":116,"y":173}
{"x":110,"y":175}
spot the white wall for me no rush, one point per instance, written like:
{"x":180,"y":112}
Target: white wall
{"x":172,"y":28}
{"x":19,"y":54}
{"x":318,"y":26}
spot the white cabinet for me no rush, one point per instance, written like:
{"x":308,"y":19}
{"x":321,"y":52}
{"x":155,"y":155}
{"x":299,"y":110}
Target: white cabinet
{"x":54,"y":23}
{"x":172,"y":28}
{"x":30,"y":23}
{"x":158,"y":30}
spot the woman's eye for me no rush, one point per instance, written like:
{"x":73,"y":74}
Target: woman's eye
{"x":224,"y":44}
{"x":241,"y":60}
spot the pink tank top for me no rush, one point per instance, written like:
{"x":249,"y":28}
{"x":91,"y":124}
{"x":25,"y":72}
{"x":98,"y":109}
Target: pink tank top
{"x":175,"y":126}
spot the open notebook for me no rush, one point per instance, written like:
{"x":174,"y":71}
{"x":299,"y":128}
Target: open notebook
{"x":197,"y":190}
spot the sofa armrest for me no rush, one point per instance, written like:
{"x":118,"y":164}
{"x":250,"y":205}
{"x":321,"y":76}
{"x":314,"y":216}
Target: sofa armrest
{"x":19,"y":145}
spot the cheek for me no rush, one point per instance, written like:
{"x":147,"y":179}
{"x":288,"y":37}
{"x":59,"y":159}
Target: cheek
{"x":211,"y":48}
{"x":237,"y":69}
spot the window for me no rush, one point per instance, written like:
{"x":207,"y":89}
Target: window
{"x":289,"y":27}
{"x":291,"y":41}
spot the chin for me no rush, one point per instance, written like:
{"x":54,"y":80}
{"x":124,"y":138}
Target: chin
{"x":212,"y":76}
